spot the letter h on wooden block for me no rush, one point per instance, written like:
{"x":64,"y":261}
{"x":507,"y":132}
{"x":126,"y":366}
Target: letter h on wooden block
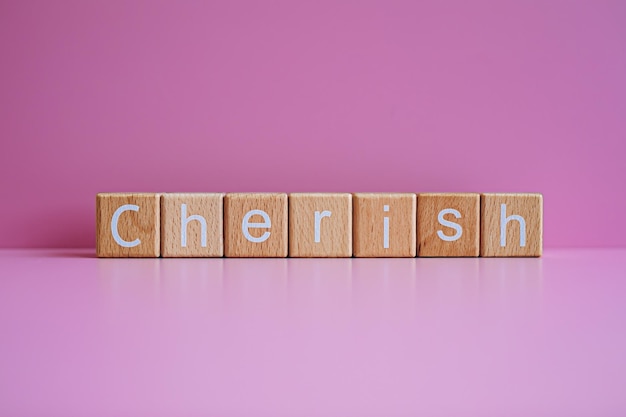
{"x":320,"y":225}
{"x":192,"y":225}
{"x":448,"y":224}
{"x":255,"y":225}
{"x":384,"y":225}
{"x":127,"y":225}
{"x":511,"y":225}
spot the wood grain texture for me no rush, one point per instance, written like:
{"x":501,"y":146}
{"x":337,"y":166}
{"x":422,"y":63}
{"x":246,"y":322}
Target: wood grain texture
{"x":429,"y":242}
{"x":335,"y":231}
{"x":236,"y":206}
{"x":143,"y":224}
{"x":207,"y":205}
{"x":368,"y":224}
{"x":529,"y":207}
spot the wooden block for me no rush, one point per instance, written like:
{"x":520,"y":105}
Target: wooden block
{"x":448,"y":224}
{"x":127,"y":225}
{"x":384,"y":225}
{"x":192,"y":225}
{"x":320,"y":225}
{"x":255,"y":225}
{"x":511,"y":225}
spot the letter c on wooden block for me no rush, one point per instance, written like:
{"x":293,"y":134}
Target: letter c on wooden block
{"x":128,"y":225}
{"x":114,"y":229}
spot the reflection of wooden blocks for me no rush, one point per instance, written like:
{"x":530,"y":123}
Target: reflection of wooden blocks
{"x":511,"y":225}
{"x":255,"y":225}
{"x":320,"y":225}
{"x":127,"y":225}
{"x":192,"y":225}
{"x":448,"y":224}
{"x":384,"y":225}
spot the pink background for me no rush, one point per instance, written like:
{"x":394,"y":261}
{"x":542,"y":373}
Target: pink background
{"x":324,"y":96}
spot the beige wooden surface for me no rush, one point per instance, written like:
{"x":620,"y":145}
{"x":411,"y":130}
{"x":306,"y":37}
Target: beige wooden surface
{"x":207,"y":205}
{"x":143,"y":224}
{"x":236,"y":205}
{"x":335,"y":230}
{"x":433,"y":236}
{"x":368,"y":224}
{"x":529,"y":207}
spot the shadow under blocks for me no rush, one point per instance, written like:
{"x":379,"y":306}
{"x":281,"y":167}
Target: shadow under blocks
{"x":318,"y":225}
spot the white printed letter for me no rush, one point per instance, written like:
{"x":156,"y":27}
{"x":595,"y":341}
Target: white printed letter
{"x":266,"y":224}
{"x":318,"y":219}
{"x":386,"y":228}
{"x":457,"y":227}
{"x":184,"y":221}
{"x":114,"y":231}
{"x":504,"y":220}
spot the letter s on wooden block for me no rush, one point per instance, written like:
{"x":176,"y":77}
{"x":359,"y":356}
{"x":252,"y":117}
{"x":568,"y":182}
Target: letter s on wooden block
{"x":448,"y":224}
{"x":255,"y":225}
{"x":127,"y":225}
{"x":511,"y":225}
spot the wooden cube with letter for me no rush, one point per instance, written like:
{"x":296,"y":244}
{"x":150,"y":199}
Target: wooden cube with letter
{"x":384,"y":224}
{"x":448,"y":224}
{"x":320,"y":225}
{"x":127,"y":225}
{"x":255,"y":225}
{"x":511,"y":225}
{"x":192,"y":225}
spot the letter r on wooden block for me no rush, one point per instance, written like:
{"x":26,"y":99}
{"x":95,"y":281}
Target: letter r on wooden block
{"x":448,"y":224}
{"x":127,"y":225}
{"x":320,"y":225}
{"x":255,"y":225}
{"x":192,"y":225}
{"x":511,"y":225}
{"x":384,"y":225}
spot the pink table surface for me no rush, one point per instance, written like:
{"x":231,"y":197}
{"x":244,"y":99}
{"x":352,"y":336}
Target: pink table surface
{"x":81,"y":336}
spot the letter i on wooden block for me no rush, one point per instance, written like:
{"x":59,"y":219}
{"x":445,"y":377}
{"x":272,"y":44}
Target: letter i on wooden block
{"x":448,"y":224}
{"x":192,"y":225}
{"x":511,"y":225}
{"x":320,"y":225}
{"x":255,"y":225}
{"x":127,"y":225}
{"x":384,"y":225}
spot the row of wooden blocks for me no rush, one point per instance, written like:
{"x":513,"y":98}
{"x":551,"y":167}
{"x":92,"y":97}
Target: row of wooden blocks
{"x":318,"y":225}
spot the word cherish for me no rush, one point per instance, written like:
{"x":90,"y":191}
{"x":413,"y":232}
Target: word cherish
{"x":322,"y":225}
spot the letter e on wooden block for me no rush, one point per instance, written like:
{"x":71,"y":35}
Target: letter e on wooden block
{"x":320,"y":225}
{"x":255,"y":225}
{"x":384,"y":225}
{"x":448,"y":224}
{"x":511,"y":225}
{"x":127,"y":225}
{"x":192,"y":225}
